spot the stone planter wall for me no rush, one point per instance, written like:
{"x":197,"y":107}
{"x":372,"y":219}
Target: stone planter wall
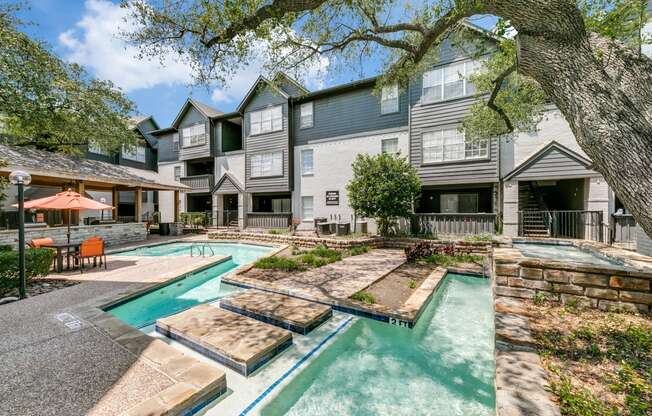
{"x":462,"y":247}
{"x":601,"y":287}
{"x":113,"y":234}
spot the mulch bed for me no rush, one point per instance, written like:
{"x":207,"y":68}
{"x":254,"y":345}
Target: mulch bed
{"x":37,"y":287}
{"x":600,"y":363}
{"x":394,"y":289}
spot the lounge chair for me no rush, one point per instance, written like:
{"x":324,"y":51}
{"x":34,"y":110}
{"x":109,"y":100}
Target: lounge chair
{"x":91,"y":248}
{"x":39,"y":242}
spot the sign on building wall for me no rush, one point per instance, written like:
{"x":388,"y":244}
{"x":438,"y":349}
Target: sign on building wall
{"x":332,"y":197}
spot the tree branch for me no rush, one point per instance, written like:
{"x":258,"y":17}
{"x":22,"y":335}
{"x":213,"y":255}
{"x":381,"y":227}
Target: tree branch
{"x":491,"y":103}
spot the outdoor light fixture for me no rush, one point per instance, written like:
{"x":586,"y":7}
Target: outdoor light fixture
{"x":21,"y":178}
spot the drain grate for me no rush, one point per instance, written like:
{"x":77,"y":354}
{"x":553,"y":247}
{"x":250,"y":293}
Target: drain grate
{"x":70,"y":321}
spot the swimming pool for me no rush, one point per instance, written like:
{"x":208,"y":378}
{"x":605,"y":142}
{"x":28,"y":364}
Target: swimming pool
{"x":198,"y":287}
{"x":443,"y":366}
{"x":241,"y":253}
{"x":563,"y":252}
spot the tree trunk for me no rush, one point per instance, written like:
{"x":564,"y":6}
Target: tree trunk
{"x":605,"y":95}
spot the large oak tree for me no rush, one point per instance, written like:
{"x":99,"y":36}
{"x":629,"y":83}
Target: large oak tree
{"x":583,"y":56}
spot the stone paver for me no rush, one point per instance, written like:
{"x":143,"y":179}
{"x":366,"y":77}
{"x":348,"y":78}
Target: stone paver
{"x":287,"y":312}
{"x":235,"y":340}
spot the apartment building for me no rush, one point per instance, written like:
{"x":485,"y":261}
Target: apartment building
{"x":286,"y":153}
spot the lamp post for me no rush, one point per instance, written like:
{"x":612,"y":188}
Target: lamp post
{"x":21,"y":179}
{"x":102,"y":200}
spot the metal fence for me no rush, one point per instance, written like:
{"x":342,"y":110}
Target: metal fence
{"x":574,"y":224}
{"x":269,"y":219}
{"x":454,"y":224}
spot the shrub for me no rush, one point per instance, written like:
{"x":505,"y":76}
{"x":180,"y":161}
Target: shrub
{"x":278,"y":263}
{"x":356,"y":251}
{"x":37,"y":263}
{"x":323,"y":251}
{"x":445,"y":260}
{"x":5,"y":247}
{"x":412,"y":284}
{"x":315,"y":261}
{"x":418,"y":251}
{"x":480,"y":238}
{"x":364,"y":297}
{"x":276,"y":231}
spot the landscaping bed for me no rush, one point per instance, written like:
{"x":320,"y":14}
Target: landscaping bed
{"x":38,"y":286}
{"x":600,"y":363}
{"x":273,"y":268}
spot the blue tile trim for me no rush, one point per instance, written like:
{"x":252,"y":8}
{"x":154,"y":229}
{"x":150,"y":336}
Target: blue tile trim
{"x":200,"y":406}
{"x":294,"y":368}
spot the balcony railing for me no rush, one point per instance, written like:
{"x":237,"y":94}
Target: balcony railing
{"x":198,"y":182}
{"x":230,"y":218}
{"x":575,"y":224}
{"x":622,"y":230}
{"x":269,"y":219}
{"x":454,"y":224}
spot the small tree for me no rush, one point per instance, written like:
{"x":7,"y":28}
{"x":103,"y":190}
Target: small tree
{"x":383,"y":187}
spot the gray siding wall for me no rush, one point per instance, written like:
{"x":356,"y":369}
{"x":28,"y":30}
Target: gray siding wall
{"x":291,"y":89}
{"x":227,"y":187}
{"x":643,"y":242}
{"x":190,"y":118}
{"x":269,"y":142}
{"x":347,"y":113}
{"x":165,"y":149}
{"x":554,"y":165}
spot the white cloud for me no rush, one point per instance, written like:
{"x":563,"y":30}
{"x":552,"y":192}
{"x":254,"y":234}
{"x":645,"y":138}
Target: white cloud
{"x":95,"y":43}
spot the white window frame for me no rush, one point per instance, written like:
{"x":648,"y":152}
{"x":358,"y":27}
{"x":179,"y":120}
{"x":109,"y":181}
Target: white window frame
{"x":444,"y":146}
{"x":306,"y":115}
{"x":175,"y":142}
{"x":192,"y":136}
{"x":137,"y":154}
{"x":180,"y":171}
{"x":266,"y":120}
{"x":311,"y":210}
{"x":263,"y":165}
{"x":389,"y":103}
{"x":436,"y":79}
{"x":307,"y":170}
{"x":394,"y":141}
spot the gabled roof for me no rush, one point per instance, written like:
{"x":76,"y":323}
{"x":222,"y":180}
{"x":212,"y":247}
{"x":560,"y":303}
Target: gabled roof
{"x":252,"y":92}
{"x":292,"y":81}
{"x":206,"y":110}
{"x":228,"y":178}
{"x":136,"y":124}
{"x":554,"y":161}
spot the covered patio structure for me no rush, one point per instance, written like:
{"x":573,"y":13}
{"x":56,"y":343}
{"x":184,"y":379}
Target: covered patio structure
{"x":116,"y":185}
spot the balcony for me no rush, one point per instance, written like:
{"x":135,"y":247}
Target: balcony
{"x":198,"y":183}
{"x":454,"y":224}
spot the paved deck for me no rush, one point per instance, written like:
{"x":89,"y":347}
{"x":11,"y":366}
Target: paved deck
{"x":287,"y":312}
{"x":334,"y":282}
{"x":240,"y":342}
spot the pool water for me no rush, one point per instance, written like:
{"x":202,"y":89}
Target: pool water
{"x":198,"y":287}
{"x":444,"y":366}
{"x":562,"y":252}
{"x":241,"y":253}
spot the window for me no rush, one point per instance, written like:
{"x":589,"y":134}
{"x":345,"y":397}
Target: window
{"x":389,"y":100}
{"x":269,"y":119}
{"x":267,"y":164}
{"x":306,"y":115}
{"x":307,"y":163}
{"x":449,"y":81}
{"x":144,"y":197}
{"x":194,"y":135}
{"x":450,"y":144}
{"x":175,"y":142}
{"x":95,"y":148}
{"x":177,"y":173}
{"x":307,"y":208}
{"x":389,"y":145}
{"x":136,"y":154}
{"x":459,"y":203}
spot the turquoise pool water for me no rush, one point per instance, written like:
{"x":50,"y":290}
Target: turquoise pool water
{"x":444,"y":366}
{"x":241,"y":253}
{"x":563,"y":252}
{"x":198,"y":287}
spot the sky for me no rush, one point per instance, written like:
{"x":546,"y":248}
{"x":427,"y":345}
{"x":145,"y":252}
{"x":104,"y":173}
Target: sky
{"x":87,"y":32}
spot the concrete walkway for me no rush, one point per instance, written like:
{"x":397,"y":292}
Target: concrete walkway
{"x":336,"y":281}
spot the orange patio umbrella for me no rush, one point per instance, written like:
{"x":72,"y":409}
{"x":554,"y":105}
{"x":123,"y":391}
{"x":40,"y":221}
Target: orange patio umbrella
{"x":68,"y":200}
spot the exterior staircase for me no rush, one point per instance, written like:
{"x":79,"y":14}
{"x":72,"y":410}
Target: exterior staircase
{"x":533,"y":213}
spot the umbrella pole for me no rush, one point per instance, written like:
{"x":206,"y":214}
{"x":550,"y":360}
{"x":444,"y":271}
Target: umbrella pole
{"x":69,"y":215}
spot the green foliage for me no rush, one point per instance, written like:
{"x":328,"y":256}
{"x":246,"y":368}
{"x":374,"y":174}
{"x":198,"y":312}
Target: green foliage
{"x":384,"y":187}
{"x":539,"y":298}
{"x":195,"y":219}
{"x":364,"y":297}
{"x":54,"y":105}
{"x":279,"y":263}
{"x":38,"y":262}
{"x":412,"y":284}
{"x":621,"y":20}
{"x":5,"y":247}
{"x":277,"y":231}
{"x":578,"y":402}
{"x":356,"y":251}
{"x":320,"y":256}
{"x":479,"y":238}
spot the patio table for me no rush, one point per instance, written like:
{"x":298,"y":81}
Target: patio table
{"x":60,"y":247}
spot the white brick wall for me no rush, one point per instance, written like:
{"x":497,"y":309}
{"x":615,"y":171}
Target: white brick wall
{"x":332,"y":171}
{"x":166,"y":198}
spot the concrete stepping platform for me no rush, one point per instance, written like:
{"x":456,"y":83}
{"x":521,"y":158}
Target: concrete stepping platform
{"x":287,"y":312}
{"x":237,"y":341}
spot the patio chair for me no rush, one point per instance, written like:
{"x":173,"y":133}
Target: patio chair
{"x":91,"y":248}
{"x":38,"y":242}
